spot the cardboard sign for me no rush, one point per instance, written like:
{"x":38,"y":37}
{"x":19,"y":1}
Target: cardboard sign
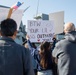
{"x":16,"y":15}
{"x":40,"y":31}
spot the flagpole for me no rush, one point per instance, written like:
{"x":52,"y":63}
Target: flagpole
{"x":22,"y":3}
{"x":26,"y":8}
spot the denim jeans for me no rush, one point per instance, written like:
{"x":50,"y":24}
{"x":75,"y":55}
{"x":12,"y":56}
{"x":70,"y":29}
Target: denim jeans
{"x":47,"y":72}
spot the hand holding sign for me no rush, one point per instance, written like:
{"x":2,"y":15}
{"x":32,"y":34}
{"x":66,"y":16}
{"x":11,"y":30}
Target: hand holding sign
{"x":15,"y":7}
{"x":27,"y":37}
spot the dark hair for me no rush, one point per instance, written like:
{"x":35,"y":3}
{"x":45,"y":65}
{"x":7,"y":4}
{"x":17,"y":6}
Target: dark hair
{"x":34,"y":46}
{"x":8,"y":27}
{"x":45,"y":54}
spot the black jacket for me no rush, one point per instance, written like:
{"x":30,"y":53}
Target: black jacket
{"x":14,"y":58}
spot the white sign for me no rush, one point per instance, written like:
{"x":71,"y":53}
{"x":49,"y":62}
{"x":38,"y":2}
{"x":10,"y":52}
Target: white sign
{"x":16,"y":15}
{"x":40,"y":31}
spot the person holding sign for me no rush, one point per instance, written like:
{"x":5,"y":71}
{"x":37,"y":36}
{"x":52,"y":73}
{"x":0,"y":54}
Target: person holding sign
{"x":43,"y":58}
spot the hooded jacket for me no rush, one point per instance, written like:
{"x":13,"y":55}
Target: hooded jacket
{"x":65,"y":52}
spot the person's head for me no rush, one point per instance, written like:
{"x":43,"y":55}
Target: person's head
{"x":68,"y":27}
{"x":45,"y":46}
{"x":8,"y":28}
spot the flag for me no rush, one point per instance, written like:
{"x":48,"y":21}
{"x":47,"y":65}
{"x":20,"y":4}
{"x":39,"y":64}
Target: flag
{"x":18,"y":4}
{"x":15,"y":6}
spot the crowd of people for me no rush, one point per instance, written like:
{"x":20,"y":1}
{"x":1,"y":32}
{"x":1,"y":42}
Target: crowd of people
{"x":57,"y":58}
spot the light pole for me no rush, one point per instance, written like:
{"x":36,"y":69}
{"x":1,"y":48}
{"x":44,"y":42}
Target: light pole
{"x":37,"y":17}
{"x":37,"y":8}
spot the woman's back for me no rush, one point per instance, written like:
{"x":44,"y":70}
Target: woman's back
{"x":44,"y":59}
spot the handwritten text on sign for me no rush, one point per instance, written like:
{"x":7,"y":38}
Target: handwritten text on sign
{"x":40,"y":31}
